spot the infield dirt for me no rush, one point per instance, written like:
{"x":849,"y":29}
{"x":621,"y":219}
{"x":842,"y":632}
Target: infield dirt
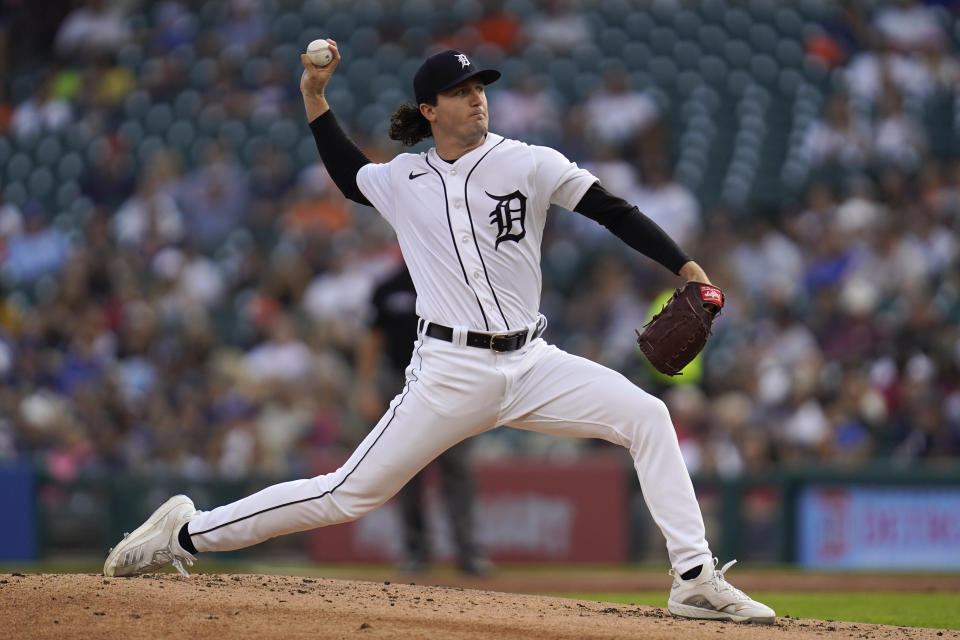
{"x":263,"y":606}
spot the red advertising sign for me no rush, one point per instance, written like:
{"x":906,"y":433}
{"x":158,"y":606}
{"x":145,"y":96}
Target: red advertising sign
{"x":526,"y":510}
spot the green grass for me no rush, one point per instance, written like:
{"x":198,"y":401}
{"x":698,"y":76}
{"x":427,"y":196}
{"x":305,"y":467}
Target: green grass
{"x":936,"y":610}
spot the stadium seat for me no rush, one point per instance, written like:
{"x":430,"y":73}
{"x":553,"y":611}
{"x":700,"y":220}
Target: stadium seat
{"x":47,"y":151}
{"x":40,"y":183}
{"x":131,"y":130}
{"x":187,"y":104}
{"x":687,"y":54}
{"x":15,"y":193}
{"x":181,"y":134}
{"x":67,"y":193}
{"x":287,"y":26}
{"x":6,"y":150}
{"x":137,"y":104}
{"x":284,"y":134}
{"x":150,"y":146}
{"x":70,"y":167}
{"x":662,"y":40}
{"x":158,"y":119}
{"x":233,"y":133}
{"x":19,"y":167}
{"x":737,"y":22}
{"x":687,"y":24}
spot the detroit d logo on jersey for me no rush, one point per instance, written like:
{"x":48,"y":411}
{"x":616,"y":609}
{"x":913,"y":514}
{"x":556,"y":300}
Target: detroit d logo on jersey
{"x":509,"y":216}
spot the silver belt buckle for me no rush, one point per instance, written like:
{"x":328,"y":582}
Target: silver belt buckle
{"x":493,"y":337}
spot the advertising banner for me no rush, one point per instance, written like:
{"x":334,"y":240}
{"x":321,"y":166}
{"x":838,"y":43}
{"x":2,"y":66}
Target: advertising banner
{"x":879,"y":527}
{"x":525,"y":511}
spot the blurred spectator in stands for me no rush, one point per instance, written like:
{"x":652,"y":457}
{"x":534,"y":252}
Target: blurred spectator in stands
{"x":601,"y":315}
{"x":200,"y":281}
{"x":95,"y":27}
{"x":214,"y":197}
{"x":766,"y":260}
{"x":839,"y":138}
{"x":527,"y":110}
{"x":109,"y":178}
{"x":316,"y":206}
{"x":908,"y":25}
{"x":151,"y":218}
{"x":107,"y":84}
{"x":690,"y":411}
{"x":40,"y":250}
{"x":174,"y":25}
{"x":41,"y":113}
{"x":898,"y":139}
{"x":137,"y":373}
{"x":236,"y":448}
{"x":281,"y":358}
{"x":617,"y":112}
{"x":337,"y":298}
{"x":615,"y":173}
{"x":11,"y":223}
{"x":499,"y":27}
{"x":667,"y":202}
{"x":271,"y":174}
{"x":559,"y":27}
{"x":941,"y":66}
{"x":244,"y":30}
{"x":7,"y":109}
{"x":871,"y":69}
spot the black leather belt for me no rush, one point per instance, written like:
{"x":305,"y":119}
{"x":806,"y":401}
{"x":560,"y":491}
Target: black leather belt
{"x":495,"y":341}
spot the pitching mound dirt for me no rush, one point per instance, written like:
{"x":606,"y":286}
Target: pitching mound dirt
{"x":258,"y":606}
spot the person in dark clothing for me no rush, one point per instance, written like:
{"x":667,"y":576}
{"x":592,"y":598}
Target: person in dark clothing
{"x":391,"y":332}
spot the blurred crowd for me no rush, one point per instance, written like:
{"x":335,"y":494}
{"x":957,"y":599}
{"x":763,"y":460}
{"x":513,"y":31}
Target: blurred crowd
{"x":191,"y":305}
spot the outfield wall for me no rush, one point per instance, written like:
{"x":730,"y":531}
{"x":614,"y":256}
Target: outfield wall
{"x":579,"y":510}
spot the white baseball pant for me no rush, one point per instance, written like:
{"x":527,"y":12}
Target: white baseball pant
{"x":453,"y":392}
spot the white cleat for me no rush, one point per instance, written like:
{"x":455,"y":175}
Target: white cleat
{"x":710,"y":596}
{"x":154,"y":544}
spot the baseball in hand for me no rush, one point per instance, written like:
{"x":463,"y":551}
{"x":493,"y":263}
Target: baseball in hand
{"x":319,"y":52}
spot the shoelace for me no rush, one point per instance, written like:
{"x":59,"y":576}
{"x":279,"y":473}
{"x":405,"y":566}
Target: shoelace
{"x":720,"y":583}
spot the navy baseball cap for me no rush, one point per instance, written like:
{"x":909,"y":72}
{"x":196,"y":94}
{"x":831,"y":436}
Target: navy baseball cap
{"x":445,"y":70}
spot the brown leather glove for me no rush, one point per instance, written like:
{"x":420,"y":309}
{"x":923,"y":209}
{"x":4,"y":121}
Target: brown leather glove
{"x":679,"y":332}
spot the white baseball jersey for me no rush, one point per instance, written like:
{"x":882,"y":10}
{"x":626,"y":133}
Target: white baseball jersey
{"x":470,"y":231}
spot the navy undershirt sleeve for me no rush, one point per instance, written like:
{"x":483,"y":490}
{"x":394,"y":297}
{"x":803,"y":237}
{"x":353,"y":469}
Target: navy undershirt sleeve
{"x":340,"y":156}
{"x":626,"y":222}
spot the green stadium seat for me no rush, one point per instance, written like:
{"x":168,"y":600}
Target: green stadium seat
{"x":137,"y":104}
{"x":150,"y":146}
{"x":187,"y":104}
{"x":233,"y":133}
{"x":40,"y":183}
{"x":70,"y":167}
{"x":19,"y":167}
{"x":687,"y":24}
{"x":181,"y":134}
{"x":15,"y":192}
{"x":48,"y":151}
{"x":287,"y":26}
{"x":711,"y":38}
{"x":158,"y":119}
{"x":67,"y":192}
{"x":687,"y":54}
{"x":132,"y":131}
{"x":737,"y":22}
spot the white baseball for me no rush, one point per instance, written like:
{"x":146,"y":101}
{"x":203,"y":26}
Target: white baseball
{"x":319,"y":52}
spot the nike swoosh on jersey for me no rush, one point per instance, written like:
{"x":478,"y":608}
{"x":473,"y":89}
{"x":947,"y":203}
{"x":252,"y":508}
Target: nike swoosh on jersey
{"x":413,"y":175}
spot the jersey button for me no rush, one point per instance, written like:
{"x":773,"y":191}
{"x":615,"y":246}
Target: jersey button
{"x":453,"y":172}
{"x":477,"y":275}
{"x":457,"y":204}
{"x":465,"y":239}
